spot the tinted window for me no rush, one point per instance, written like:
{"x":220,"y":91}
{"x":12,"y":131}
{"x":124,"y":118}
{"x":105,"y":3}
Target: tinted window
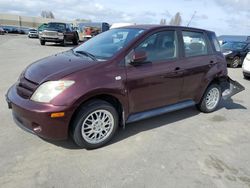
{"x":234,"y":46}
{"x":194,"y":43}
{"x":160,"y":46}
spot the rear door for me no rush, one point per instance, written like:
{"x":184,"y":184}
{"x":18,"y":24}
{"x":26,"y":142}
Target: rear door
{"x":157,"y":81}
{"x":197,"y":61}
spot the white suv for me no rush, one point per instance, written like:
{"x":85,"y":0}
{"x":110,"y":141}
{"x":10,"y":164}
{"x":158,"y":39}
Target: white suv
{"x":246,"y":66}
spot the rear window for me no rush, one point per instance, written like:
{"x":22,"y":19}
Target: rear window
{"x":195,"y":44}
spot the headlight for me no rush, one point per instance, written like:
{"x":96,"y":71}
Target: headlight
{"x":227,"y":53}
{"x":49,"y":90}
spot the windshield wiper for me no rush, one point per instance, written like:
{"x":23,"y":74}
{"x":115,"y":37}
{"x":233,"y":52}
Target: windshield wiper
{"x":87,"y":54}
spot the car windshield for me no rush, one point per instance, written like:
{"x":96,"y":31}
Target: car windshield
{"x":234,"y":46}
{"x":107,"y":44}
{"x":58,"y":26}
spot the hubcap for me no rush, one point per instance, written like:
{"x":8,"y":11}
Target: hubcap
{"x":97,"y":126}
{"x":212,"y":98}
{"x":236,"y":62}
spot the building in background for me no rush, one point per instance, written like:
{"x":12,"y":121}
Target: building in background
{"x":25,"y":21}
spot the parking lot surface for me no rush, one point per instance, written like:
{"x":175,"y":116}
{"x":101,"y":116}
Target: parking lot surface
{"x":180,"y":149}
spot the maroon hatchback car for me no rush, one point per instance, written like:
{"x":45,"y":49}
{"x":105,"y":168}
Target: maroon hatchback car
{"x":120,"y":76}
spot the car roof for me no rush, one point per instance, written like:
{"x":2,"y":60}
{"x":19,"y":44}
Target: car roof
{"x":152,"y":27}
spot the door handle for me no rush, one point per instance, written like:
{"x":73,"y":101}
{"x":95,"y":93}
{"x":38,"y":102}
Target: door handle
{"x":175,"y":73}
{"x":177,"y":68}
{"x":211,"y":63}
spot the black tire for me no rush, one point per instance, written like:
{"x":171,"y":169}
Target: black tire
{"x":246,"y":77}
{"x":42,"y":42}
{"x":203,"y":106}
{"x":82,"y":115}
{"x":76,"y":40}
{"x":235,"y":62}
{"x":63,"y":43}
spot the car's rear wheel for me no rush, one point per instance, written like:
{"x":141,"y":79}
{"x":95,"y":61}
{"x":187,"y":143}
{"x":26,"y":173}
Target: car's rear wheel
{"x":235,"y":62}
{"x":42,"y":42}
{"x":210,"y":99}
{"x":95,"y":124}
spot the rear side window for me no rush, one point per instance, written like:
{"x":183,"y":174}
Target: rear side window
{"x":215,"y":42}
{"x":195,"y":44}
{"x":160,"y":46}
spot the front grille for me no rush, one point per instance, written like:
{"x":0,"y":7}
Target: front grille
{"x":50,"y":33}
{"x":25,"y":88}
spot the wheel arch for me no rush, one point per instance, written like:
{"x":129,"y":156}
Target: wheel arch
{"x":115,"y":101}
{"x":222,"y":81}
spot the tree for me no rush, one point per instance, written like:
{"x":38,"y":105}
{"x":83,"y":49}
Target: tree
{"x":176,"y":20}
{"x":47,"y":14}
{"x":163,"y":21}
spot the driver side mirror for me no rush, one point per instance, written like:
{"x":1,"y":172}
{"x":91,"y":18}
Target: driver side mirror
{"x":138,"y":57}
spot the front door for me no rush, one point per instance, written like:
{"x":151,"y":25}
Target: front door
{"x":157,"y":81}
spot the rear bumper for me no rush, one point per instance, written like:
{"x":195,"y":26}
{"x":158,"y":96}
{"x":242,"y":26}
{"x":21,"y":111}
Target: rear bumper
{"x":232,"y":87}
{"x":35,"y":117}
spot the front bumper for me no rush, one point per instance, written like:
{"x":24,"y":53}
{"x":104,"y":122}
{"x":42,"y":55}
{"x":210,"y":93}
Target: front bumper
{"x":33,"y":35}
{"x":35,"y":117}
{"x":55,"y":38}
{"x":229,"y":58}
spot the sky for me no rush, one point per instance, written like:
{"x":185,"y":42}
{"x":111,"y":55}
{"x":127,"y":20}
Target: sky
{"x":221,"y":16}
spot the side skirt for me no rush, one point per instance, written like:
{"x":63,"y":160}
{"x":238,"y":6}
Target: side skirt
{"x":159,"y":111}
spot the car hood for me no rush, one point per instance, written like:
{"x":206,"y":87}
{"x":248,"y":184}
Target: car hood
{"x":227,"y":50}
{"x":56,"y":67}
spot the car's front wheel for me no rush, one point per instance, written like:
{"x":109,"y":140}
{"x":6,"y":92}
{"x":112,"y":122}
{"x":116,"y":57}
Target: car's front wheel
{"x":210,"y":99}
{"x":235,"y":62}
{"x":95,"y":124}
{"x":42,"y":42}
{"x":76,"y":40}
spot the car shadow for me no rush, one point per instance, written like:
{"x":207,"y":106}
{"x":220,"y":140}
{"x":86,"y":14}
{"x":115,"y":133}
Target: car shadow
{"x":151,"y":123}
{"x":231,"y":104}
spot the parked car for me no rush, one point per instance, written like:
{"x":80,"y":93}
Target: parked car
{"x":235,"y":52}
{"x":88,"y":30}
{"x":10,"y":29}
{"x":41,"y":28}
{"x":232,"y":38}
{"x":246,"y":66}
{"x":33,"y":33}
{"x":58,"y":33}
{"x":2,"y":31}
{"x":118,"y":77}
